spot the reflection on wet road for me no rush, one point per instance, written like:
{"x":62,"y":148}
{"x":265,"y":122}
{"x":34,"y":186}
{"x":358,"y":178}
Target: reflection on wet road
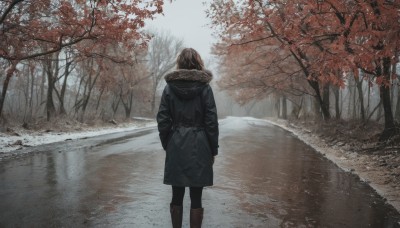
{"x":264,"y":177}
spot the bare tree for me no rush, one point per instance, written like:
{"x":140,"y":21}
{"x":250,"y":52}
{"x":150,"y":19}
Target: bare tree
{"x":131,"y":76}
{"x":162,"y":53}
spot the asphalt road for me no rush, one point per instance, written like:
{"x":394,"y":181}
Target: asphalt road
{"x":263,"y":176}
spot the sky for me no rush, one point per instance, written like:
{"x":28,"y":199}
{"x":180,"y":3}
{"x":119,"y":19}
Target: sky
{"x":187,"y":19}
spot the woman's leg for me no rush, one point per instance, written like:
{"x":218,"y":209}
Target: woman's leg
{"x":177,"y":195}
{"x":195,"y":197}
{"x":176,"y":206}
{"x":196,"y":209}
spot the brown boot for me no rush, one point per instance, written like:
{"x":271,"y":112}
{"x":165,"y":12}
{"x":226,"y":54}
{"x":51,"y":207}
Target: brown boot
{"x":196,"y":217}
{"x":176,"y":215}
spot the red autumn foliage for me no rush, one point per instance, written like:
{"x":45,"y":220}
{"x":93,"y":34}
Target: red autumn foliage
{"x":327,"y":39}
{"x":38,"y":28}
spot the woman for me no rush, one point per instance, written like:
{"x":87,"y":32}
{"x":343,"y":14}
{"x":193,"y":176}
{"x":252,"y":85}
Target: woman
{"x":188,"y":126}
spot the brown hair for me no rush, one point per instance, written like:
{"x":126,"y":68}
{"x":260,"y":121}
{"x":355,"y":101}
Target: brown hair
{"x":189,"y":59}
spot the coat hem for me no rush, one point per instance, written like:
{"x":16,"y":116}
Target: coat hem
{"x":188,"y":185}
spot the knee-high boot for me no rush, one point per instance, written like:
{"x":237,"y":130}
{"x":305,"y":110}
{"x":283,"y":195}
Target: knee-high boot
{"x":176,"y":215}
{"x":196,"y":217}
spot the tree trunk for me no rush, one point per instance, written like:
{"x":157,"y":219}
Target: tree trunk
{"x":89,"y":93}
{"x":368,"y":99}
{"x":278,"y":107}
{"x":361,"y":98}
{"x":397,"y":112}
{"x":78,"y":102}
{"x":379,"y":113}
{"x":83,"y":100}
{"x":32,"y":74}
{"x":128,"y":104}
{"x":384,"y":88}
{"x":153,"y":99}
{"x":284,"y":107}
{"x":378,"y":107}
{"x":300,"y":107}
{"x":115,"y":105}
{"x":90,"y":82}
{"x":128,"y":109}
{"x":317,"y":108}
{"x":98,"y":100}
{"x":354,"y":115}
{"x":341,"y":102}
{"x":337,"y":102}
{"x":64,"y":87}
{"x":350,"y":93}
{"x":324,"y":107}
{"x":9,"y":73}
{"x":42,"y":87}
{"x":393,"y":81}
{"x":326,"y":97}
{"x":50,"y":108}
{"x":26,"y":70}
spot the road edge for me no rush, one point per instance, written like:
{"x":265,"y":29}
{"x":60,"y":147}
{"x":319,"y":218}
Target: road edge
{"x":24,"y":151}
{"x":345,"y":160}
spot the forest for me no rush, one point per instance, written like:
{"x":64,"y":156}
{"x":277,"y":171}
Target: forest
{"x":82,"y":60}
{"x":326,"y":59}
{"x":93,"y":60}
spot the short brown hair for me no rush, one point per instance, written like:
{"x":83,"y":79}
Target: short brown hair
{"x":189,"y":59}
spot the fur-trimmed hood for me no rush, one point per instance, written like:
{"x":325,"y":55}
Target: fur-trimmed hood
{"x":204,"y":76}
{"x":187,"y":84}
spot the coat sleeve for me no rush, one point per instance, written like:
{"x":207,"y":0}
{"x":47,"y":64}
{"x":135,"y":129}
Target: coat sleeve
{"x":211,"y":120}
{"x":164,"y":119}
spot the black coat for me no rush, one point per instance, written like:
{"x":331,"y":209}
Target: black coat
{"x":188,"y":126}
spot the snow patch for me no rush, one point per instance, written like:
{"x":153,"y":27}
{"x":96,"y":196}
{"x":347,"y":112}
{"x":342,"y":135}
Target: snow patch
{"x":11,"y":143}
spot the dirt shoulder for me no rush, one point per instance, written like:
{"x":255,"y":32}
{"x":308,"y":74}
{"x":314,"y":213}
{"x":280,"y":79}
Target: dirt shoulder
{"x":354,"y":148}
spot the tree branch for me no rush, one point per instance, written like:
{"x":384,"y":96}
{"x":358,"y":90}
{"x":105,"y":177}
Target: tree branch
{"x":252,"y":41}
{"x":8,"y":10}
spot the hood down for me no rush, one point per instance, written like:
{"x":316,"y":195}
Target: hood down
{"x":187,"y":84}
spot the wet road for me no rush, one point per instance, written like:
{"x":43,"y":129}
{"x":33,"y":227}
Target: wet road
{"x":264,"y":177}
